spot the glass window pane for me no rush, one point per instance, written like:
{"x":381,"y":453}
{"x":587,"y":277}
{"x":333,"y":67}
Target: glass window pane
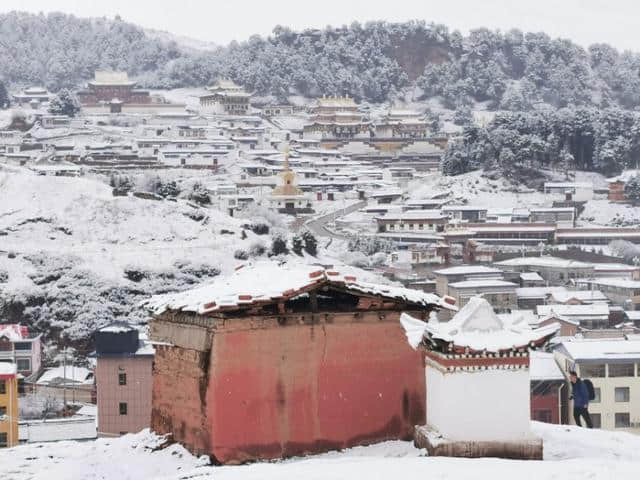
{"x":622,"y":394}
{"x":590,"y":371}
{"x":621,"y":369}
{"x":622,"y":420}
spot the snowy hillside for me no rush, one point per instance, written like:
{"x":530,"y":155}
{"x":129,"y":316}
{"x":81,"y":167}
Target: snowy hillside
{"x":570,"y":453}
{"x":73,"y":256}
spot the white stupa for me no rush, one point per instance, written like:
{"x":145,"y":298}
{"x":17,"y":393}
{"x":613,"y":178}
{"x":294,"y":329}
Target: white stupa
{"x":477,"y":382}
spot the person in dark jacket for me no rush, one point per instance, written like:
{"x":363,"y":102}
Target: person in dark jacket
{"x":580,"y":396}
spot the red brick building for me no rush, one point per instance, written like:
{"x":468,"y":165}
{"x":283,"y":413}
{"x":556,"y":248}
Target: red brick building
{"x":275,"y":361}
{"x":109,"y":86}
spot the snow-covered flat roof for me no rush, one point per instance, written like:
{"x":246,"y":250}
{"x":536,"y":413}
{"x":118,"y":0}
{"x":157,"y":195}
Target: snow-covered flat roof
{"x":614,"y":267}
{"x":8,"y":368}
{"x":467,"y":270}
{"x":553,"y":210}
{"x":414,"y":215}
{"x":483,"y":283}
{"x":531,"y":277}
{"x":592,"y":310}
{"x":463,"y":208}
{"x":616,"y":282}
{"x":267,"y":282}
{"x":596,"y":349}
{"x":538,"y":292}
{"x":545,"y":261}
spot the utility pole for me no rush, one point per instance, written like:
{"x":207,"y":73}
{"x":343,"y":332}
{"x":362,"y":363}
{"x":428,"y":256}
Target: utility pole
{"x":64,"y":376}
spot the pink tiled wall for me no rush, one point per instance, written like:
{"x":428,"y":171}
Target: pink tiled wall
{"x":136,"y":393}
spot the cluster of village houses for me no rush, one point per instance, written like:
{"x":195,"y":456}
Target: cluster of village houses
{"x":275,"y":360}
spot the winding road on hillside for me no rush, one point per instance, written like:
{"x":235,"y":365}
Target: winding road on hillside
{"x":318,"y":225}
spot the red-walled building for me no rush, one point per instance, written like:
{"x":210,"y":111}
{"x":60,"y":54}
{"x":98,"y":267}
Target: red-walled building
{"x":275,"y":361}
{"x":546,"y":382}
{"x":109,"y":86}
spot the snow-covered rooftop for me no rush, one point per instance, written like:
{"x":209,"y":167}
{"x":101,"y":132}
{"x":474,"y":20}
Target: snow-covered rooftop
{"x":592,"y":310}
{"x":616,"y":282}
{"x":545,"y":261}
{"x":8,"y":368}
{"x":590,"y":296}
{"x":531,"y":277}
{"x":12,"y":332}
{"x":538,"y":292}
{"x":72,"y":374}
{"x":467,"y":270}
{"x":487,"y":283}
{"x":543,"y":366}
{"x":477,"y":327}
{"x":609,"y":349}
{"x":266,"y":282}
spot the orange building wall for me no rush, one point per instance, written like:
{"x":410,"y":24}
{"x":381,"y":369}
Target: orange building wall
{"x":9,"y":400}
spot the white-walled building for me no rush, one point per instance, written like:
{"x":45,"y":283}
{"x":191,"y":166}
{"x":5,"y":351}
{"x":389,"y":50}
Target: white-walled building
{"x":613,"y":366}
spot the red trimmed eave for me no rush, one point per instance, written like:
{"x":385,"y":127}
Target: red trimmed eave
{"x":353,"y":287}
{"x":286,"y":295}
{"x":488,"y":361}
{"x":8,"y":376}
{"x":461,"y":349}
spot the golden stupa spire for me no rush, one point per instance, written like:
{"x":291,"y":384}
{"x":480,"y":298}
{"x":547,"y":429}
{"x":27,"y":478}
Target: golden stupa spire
{"x":288,"y":187}
{"x":286,"y":158}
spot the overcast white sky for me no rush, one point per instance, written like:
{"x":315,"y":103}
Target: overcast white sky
{"x":584,"y":21}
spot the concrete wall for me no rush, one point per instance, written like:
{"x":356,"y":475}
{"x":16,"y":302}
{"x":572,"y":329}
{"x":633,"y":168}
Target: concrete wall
{"x":280,"y":390}
{"x":488,"y":405}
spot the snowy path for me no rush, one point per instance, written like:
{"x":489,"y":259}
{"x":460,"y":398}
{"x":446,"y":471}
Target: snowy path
{"x":318,"y":225}
{"x":570,"y":453}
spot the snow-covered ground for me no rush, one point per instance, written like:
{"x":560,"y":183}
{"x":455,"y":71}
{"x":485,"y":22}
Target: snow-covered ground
{"x":570,"y":453}
{"x":477,"y":190}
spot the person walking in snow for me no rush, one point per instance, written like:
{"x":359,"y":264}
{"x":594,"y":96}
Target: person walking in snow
{"x":580,"y":396}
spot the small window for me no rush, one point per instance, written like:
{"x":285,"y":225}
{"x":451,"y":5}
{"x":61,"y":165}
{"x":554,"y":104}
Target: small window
{"x":596,"y":398}
{"x":589,"y":371}
{"x":23,"y":364}
{"x":596,"y":420}
{"x":22,"y":346}
{"x":123,"y":408}
{"x":3,"y":412}
{"x":622,"y":394}
{"x":3,"y":387}
{"x":3,"y":439}
{"x":122,"y":379}
{"x":621,"y":370}
{"x":622,"y":420}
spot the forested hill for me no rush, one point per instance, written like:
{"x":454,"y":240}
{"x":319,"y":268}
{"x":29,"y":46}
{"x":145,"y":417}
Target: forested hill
{"x":373,"y":62}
